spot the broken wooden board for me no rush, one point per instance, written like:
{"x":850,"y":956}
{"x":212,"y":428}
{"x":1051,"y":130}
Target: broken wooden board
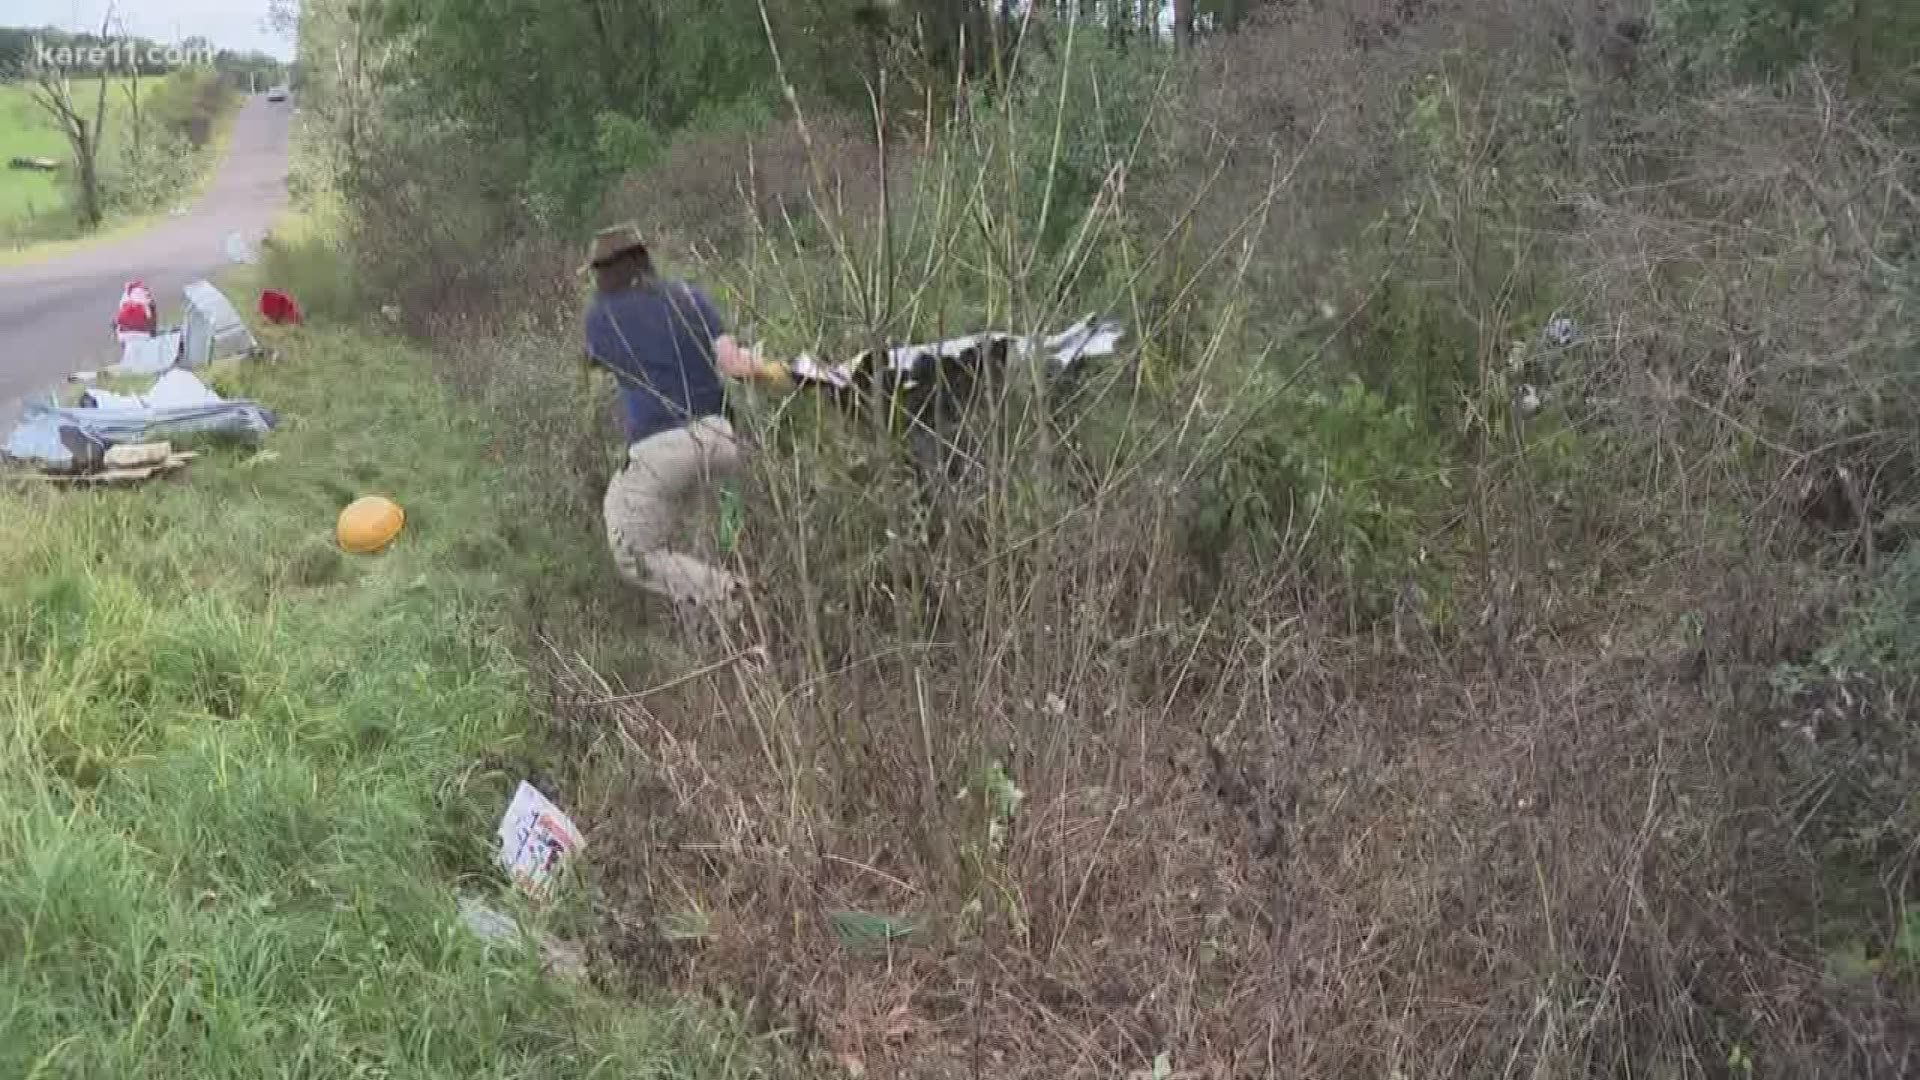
{"x":173,"y":463}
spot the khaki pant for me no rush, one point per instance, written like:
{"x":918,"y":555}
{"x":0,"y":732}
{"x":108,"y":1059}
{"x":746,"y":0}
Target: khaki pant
{"x":659,"y":511}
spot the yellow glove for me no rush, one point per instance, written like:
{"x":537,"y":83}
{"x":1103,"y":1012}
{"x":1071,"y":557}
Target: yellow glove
{"x":774,"y":374}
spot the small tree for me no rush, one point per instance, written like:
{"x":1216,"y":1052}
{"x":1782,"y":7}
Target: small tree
{"x":132,"y":90}
{"x":52,"y":90}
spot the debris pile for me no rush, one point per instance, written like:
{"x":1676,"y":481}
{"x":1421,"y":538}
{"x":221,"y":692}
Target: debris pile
{"x":116,"y":436}
{"x":213,"y":328}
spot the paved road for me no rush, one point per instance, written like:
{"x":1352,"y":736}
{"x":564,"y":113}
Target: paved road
{"x":55,"y":313}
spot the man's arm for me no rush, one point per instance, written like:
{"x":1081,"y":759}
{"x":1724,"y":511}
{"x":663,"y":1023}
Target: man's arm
{"x":735,"y":361}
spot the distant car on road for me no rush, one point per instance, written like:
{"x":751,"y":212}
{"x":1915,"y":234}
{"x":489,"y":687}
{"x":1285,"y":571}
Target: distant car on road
{"x":278,"y":93}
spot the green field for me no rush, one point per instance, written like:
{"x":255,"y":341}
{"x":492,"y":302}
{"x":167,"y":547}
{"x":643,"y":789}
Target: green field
{"x":26,"y":131}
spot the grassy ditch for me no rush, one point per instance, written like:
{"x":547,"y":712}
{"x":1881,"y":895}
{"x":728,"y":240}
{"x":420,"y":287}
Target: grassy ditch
{"x":245,"y":776}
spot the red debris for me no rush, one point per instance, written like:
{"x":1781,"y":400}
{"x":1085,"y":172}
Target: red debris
{"x":278,"y":307}
{"x":137,"y":313}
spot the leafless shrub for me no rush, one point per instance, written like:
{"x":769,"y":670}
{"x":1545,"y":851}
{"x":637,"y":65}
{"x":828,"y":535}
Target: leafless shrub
{"x":1752,"y":301}
{"x":431,"y":240}
{"x":1247,"y":837}
{"x":718,"y":192}
{"x":1547,"y":829}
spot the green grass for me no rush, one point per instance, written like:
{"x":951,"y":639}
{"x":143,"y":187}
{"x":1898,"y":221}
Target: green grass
{"x":243,"y":776}
{"x":26,"y":131}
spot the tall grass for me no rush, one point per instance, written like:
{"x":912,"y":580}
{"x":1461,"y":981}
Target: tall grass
{"x":1352,"y":678}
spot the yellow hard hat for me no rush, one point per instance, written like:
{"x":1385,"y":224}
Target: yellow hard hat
{"x":369,"y":524}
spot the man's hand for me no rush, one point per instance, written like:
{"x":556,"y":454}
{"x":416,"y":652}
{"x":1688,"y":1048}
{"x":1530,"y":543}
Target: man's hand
{"x":746,"y":364}
{"x":734,"y":361}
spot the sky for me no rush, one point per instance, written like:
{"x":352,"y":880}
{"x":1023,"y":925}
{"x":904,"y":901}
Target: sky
{"x":230,"y":24}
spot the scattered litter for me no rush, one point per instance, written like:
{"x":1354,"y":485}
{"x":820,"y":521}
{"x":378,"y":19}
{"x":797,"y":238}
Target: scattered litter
{"x":279,"y":308}
{"x":84,"y":378}
{"x":45,"y":430}
{"x":536,"y":839}
{"x":213,"y":328}
{"x":179,"y":389}
{"x":45,"y":443}
{"x":98,"y":398}
{"x":176,"y":389}
{"x":148,"y":354}
{"x":807,"y":369}
{"x":556,"y":956}
{"x":486,"y":922}
{"x":1086,"y":339}
{"x":34,"y":164}
{"x":240,"y":251}
{"x":369,"y":524}
{"x":55,"y":447}
{"x":1560,"y":332}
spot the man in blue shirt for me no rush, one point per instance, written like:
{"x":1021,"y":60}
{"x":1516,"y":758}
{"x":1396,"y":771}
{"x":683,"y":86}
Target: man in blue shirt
{"x":667,"y":348}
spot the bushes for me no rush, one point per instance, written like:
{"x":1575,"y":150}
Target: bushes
{"x":187,"y":103}
{"x":1351,"y":678}
{"x":156,"y":164}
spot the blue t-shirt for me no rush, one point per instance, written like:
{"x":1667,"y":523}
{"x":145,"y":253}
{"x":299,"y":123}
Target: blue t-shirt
{"x":658,"y":341}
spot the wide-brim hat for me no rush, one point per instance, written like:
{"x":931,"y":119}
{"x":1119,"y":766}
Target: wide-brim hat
{"x":611,"y":243}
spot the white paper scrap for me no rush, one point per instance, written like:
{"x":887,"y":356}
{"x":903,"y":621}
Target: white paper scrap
{"x":536,"y":840}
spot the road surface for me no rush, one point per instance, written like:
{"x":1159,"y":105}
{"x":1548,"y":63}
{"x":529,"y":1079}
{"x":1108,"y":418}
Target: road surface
{"x":55,"y":313}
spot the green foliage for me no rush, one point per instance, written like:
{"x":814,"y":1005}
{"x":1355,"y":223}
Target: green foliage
{"x":304,"y":257}
{"x":593,"y":91}
{"x":1906,"y":943}
{"x":626,"y":143}
{"x":1337,"y":475}
{"x":151,"y":176}
{"x":1881,"y":638}
{"x":186,"y":103}
{"x":1873,"y":39}
{"x":1751,"y":36}
{"x":1075,"y":115}
{"x":1418,"y":354}
{"x":1851,"y":706}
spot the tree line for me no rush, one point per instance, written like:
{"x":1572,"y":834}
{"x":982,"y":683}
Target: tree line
{"x":570,"y":93}
{"x":20,"y":47}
